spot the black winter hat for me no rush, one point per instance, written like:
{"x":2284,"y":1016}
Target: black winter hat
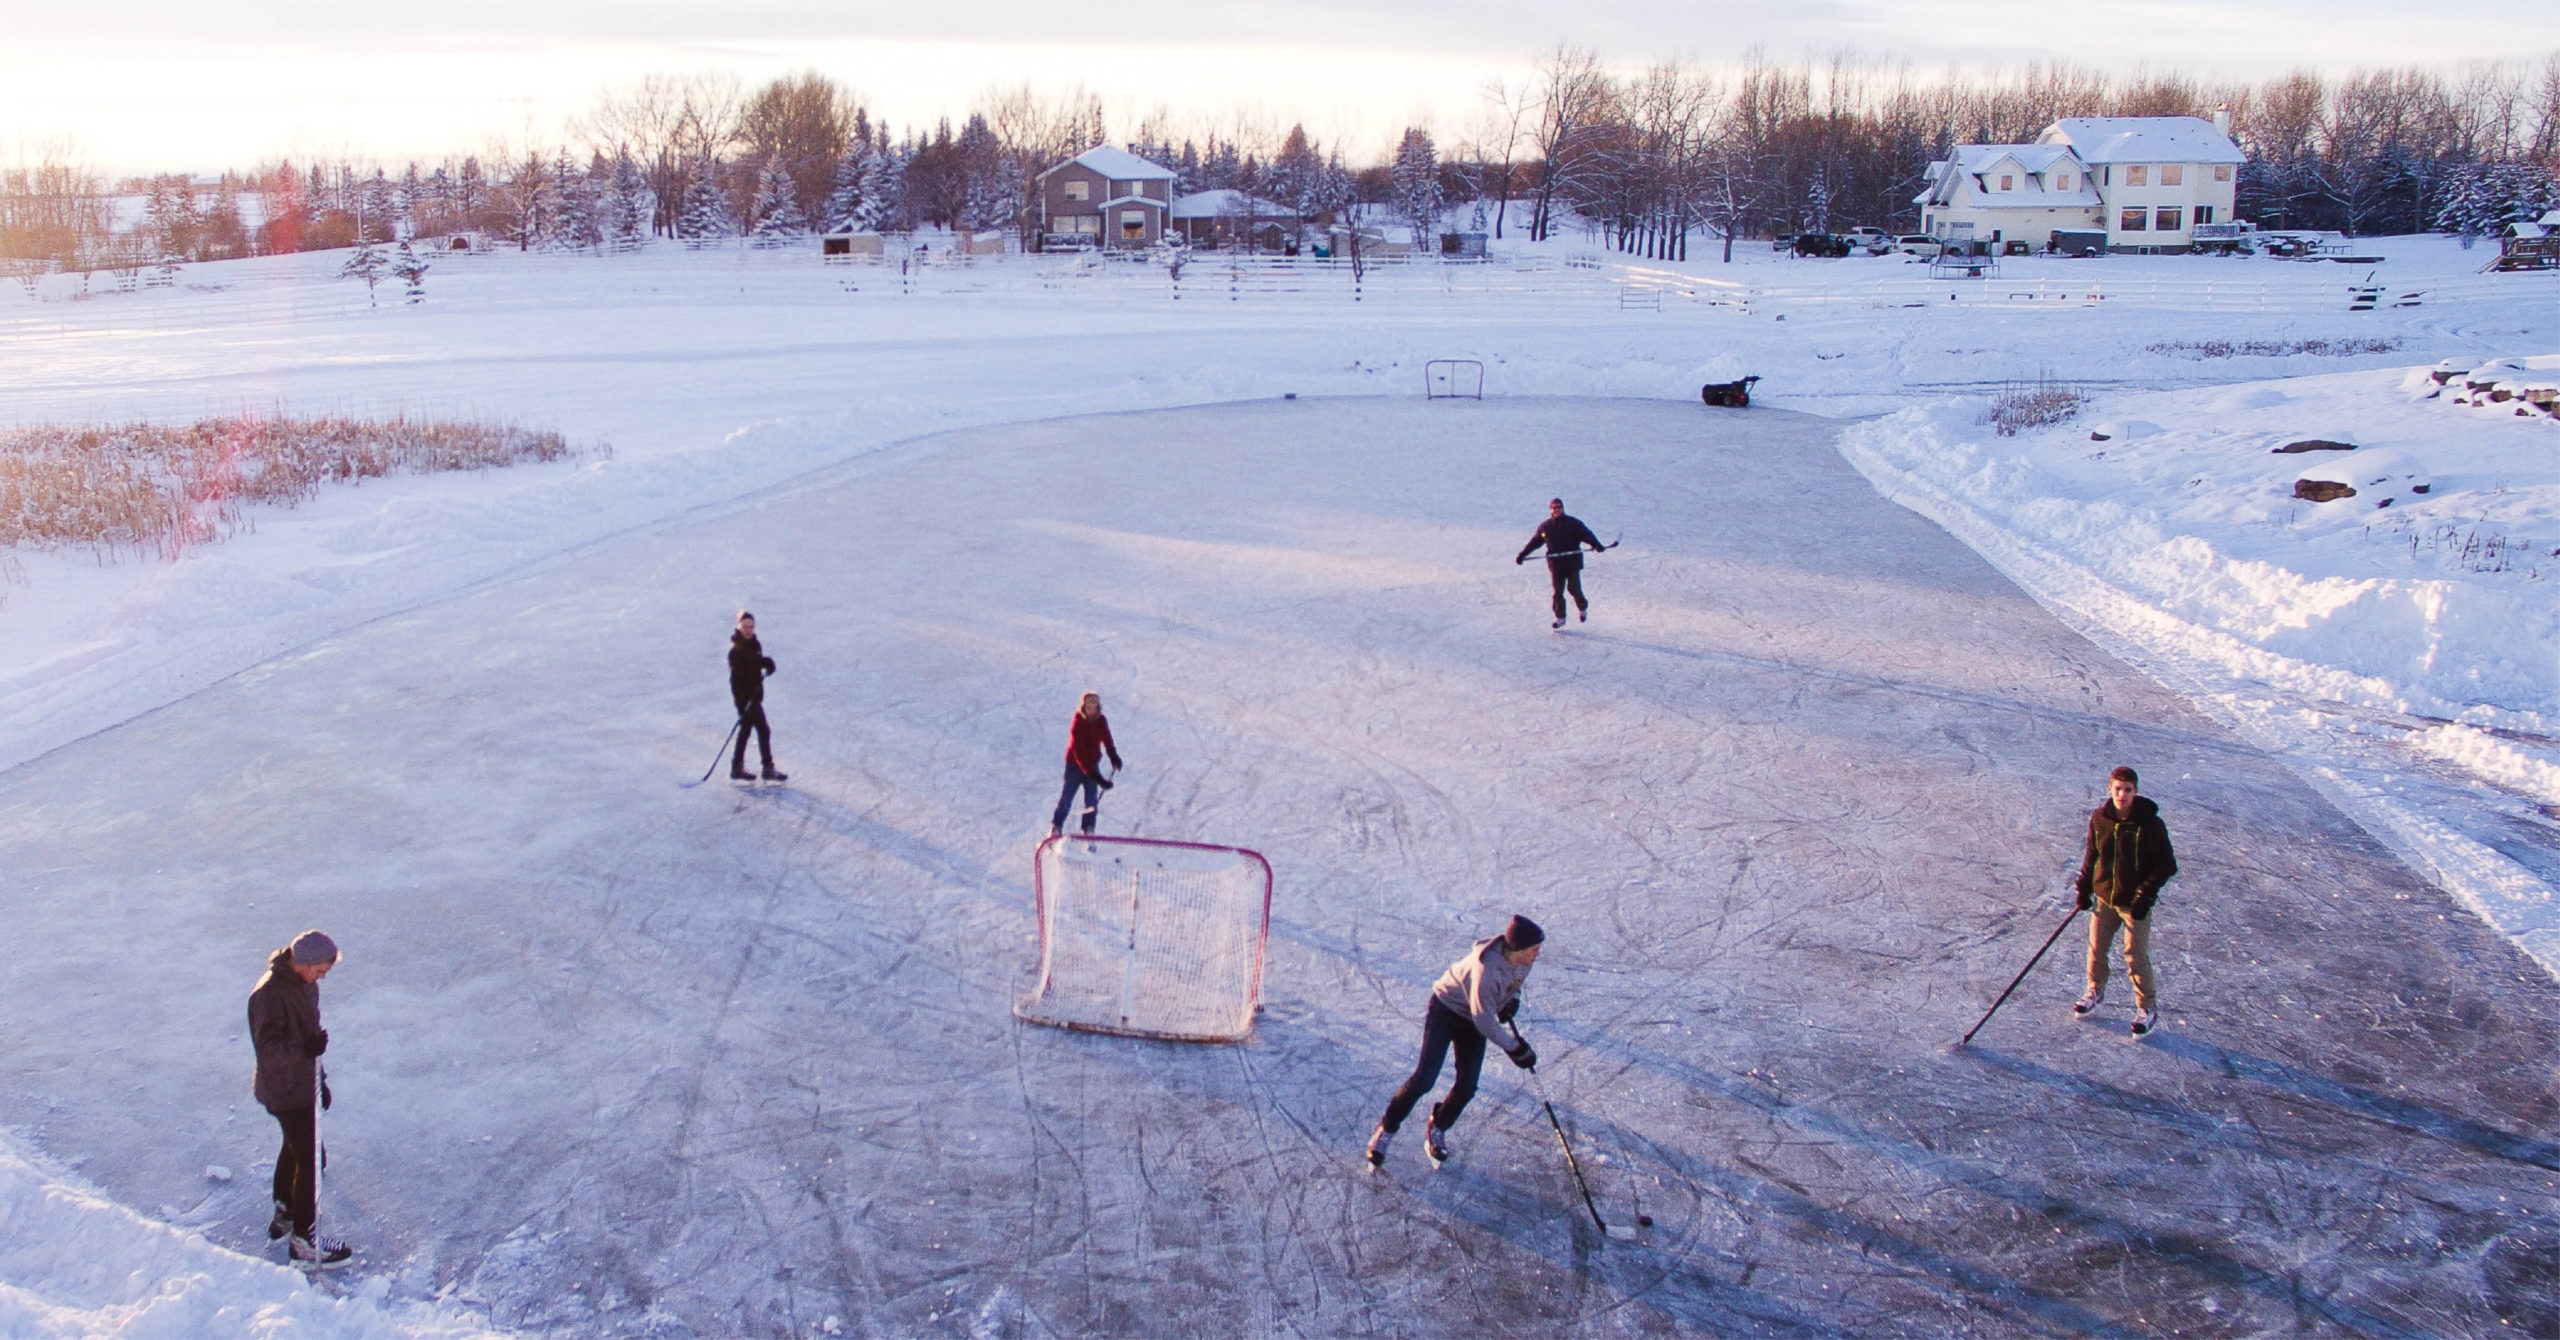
{"x":1521,"y":933}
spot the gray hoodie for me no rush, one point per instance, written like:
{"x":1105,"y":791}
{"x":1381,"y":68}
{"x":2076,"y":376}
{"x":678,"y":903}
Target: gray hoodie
{"x":1479,"y":985}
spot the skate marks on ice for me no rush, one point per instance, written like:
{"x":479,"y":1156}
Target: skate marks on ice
{"x":617,"y":1058}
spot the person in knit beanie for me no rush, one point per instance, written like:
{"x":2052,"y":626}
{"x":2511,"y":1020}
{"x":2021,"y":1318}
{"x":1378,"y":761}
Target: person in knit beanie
{"x":1469,"y":1007}
{"x":284,"y":1027}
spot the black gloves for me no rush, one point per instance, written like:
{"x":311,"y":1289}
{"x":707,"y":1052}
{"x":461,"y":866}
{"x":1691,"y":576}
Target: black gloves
{"x":325,"y":1098}
{"x":1102,"y":781}
{"x":1524,"y":1056}
{"x":2086,"y":902}
{"x":769,"y":666}
{"x":317,"y":1045}
{"x":1517,"y":560}
{"x":1509,"y":1008}
{"x":2142,"y":906}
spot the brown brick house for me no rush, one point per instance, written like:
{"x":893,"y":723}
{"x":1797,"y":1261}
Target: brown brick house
{"x":1104,"y":197}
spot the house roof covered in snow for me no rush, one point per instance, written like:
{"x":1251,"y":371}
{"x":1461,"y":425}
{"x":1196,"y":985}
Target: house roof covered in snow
{"x":1228,"y":204}
{"x":2143,"y":139}
{"x":1117,"y":164}
{"x":2036,"y":165}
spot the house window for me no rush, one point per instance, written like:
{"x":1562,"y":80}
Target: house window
{"x":2004,"y":181}
{"x":2222,"y":172}
{"x":2168,"y":219}
{"x":2134,"y":220}
{"x":2062,"y":182}
{"x":1080,"y":225}
{"x":2137,"y":175}
{"x":1079,"y":190}
{"x":1133,"y":224}
{"x":2204,"y":214}
{"x":2173,"y":174}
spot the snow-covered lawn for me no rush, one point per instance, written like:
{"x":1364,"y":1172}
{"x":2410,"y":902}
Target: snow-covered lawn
{"x":622,"y":1057}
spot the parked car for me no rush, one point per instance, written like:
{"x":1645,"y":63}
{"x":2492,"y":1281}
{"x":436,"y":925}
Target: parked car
{"x":1873,"y":241}
{"x":1821,"y":244}
{"x":1919,"y":244}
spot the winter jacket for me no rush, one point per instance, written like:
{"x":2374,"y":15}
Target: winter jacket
{"x":284,"y":1025}
{"x":1088,"y":739}
{"x":748,"y":665}
{"x":1479,"y":987}
{"x":1563,"y":536}
{"x":2126,"y":860}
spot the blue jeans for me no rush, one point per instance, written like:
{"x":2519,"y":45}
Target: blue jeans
{"x":1442,"y":1028}
{"x":1066,"y":795}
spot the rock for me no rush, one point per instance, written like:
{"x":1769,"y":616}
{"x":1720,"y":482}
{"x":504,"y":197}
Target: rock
{"x":2382,"y":475}
{"x":2322,"y":490}
{"x":2124,"y":428}
{"x":2312,"y":444}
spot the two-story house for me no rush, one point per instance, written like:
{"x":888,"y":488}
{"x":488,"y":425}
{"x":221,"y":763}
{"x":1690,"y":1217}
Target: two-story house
{"x":1105,"y":197}
{"x":2146,"y":181}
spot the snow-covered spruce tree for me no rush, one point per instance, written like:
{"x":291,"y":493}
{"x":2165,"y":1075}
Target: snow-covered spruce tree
{"x":577,"y":222}
{"x":628,"y":205}
{"x":366,"y":264}
{"x":471,"y":193}
{"x":773,"y":217}
{"x":844,"y":193}
{"x":530,"y":198}
{"x":376,"y":217}
{"x":879,"y":191}
{"x":704,"y":220}
{"x":412,"y":270}
{"x":1416,"y":177}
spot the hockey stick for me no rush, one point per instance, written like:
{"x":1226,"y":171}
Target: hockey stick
{"x":1967,"y":1039}
{"x":715,"y":758}
{"x":1569,"y":1160}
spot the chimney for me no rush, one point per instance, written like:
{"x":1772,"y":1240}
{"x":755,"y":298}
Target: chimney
{"x":2222,"y":120}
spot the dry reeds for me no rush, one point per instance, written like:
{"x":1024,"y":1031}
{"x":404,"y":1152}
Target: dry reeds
{"x":2024,"y":405}
{"x":159,"y":488}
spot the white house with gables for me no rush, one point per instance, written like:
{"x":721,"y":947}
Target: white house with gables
{"x":2145,"y":181}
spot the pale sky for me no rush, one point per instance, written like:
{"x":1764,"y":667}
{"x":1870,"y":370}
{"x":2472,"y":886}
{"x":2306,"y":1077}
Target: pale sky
{"x":167,"y":85}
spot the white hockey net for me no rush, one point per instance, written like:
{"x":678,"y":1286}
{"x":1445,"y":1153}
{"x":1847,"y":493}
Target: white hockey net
{"x":1154,"y":939}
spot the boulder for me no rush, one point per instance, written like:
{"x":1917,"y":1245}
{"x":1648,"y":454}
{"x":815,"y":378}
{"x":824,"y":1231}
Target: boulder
{"x":2313,"y":444}
{"x":2384,"y":476}
{"x":2322,"y":490}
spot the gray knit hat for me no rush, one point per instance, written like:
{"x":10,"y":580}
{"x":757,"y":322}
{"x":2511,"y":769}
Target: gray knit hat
{"x":314,"y":947}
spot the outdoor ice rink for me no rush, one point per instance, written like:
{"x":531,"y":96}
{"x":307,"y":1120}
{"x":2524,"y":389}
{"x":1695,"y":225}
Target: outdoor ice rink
{"x":614,"y":1057}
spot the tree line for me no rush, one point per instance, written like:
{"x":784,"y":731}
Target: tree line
{"x":1645,"y":161}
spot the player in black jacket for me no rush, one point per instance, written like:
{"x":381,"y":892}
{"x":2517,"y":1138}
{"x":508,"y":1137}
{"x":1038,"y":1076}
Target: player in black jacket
{"x":748,"y":665}
{"x":1564,"y":538}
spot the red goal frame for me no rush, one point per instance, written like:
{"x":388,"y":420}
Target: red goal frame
{"x":1040,"y":916}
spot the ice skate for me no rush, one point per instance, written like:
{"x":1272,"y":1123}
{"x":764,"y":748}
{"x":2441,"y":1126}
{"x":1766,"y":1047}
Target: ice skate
{"x":1559,"y":623}
{"x":2090,"y":1001}
{"x":318,"y":1253}
{"x":773,"y":774}
{"x":1582,"y":615}
{"x":1435,"y":1145}
{"x":1376,"y":1154}
{"x":282,"y":1223}
{"x":2144,"y":1020}
{"x":738,"y":773}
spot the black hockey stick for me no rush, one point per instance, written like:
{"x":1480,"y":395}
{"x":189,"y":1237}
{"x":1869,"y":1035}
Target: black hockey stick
{"x":715,"y":758}
{"x":1569,"y":1160}
{"x":1967,"y":1039}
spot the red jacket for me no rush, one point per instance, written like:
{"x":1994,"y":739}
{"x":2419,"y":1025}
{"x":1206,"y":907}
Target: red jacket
{"x":1088,"y":738}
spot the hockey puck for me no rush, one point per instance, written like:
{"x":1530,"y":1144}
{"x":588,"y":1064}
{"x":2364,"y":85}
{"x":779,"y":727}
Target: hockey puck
{"x":1644,"y":1221}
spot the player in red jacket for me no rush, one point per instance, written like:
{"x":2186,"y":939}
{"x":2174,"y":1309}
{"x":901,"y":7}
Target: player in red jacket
{"x":1088,"y":739}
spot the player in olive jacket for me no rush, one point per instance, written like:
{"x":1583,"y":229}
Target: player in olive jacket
{"x":2123,"y":863}
{"x":284,"y":1026}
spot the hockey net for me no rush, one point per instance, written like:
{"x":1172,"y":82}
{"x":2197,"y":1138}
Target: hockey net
{"x":1153,"y":939}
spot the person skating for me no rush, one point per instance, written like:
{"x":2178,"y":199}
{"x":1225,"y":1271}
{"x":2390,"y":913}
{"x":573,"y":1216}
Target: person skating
{"x":1564,"y":537}
{"x":1088,"y":739}
{"x":748,"y":666}
{"x":284,"y":1026}
{"x":1469,"y":1006}
{"x":2123,"y":863}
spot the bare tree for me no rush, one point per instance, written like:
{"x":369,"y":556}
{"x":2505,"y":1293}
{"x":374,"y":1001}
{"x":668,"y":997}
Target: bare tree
{"x":1036,"y":133}
{"x":1573,"y":97}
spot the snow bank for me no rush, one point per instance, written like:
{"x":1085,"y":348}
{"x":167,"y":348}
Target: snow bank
{"x":73,"y":1263}
{"x":2398,"y":649}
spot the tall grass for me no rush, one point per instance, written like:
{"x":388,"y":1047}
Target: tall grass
{"x":147,"y":488}
{"x":2024,"y":405}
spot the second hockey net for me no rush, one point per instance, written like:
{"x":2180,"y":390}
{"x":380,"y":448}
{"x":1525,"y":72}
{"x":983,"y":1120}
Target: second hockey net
{"x":1148,"y":938}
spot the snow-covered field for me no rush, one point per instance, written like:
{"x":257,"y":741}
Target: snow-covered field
{"x":619,"y":1057}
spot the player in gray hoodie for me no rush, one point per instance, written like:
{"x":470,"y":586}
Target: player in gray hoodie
{"x":1469,"y":1006}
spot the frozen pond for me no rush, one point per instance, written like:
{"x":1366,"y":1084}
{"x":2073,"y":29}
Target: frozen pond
{"x":615,"y":1057}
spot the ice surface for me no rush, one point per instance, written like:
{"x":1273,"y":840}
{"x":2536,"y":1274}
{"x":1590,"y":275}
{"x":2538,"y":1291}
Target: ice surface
{"x":613,"y":1056}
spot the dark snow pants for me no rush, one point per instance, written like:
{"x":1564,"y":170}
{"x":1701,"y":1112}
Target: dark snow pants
{"x":1566,"y":575}
{"x":1078,"y":777}
{"x":1442,"y":1028}
{"x":751,"y":719}
{"x":297,"y":1168}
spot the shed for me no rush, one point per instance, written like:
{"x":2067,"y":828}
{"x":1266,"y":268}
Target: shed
{"x":847,"y":245}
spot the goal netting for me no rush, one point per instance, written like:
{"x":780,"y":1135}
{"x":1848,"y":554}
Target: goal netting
{"x":1155,"y":939}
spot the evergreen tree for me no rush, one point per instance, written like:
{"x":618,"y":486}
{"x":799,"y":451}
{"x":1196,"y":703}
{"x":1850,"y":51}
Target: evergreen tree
{"x":412,"y":270}
{"x":366,"y":264}
{"x":844,"y":194}
{"x":773,"y":217}
{"x":1416,"y":178}
{"x":577,"y":214}
{"x":704,"y":219}
{"x":628,"y":206}
{"x":878,"y":193}
{"x":471,"y":193}
{"x":375,"y":216}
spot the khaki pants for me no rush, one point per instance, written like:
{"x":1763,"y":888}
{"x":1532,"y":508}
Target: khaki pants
{"x":2103,"y":921}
